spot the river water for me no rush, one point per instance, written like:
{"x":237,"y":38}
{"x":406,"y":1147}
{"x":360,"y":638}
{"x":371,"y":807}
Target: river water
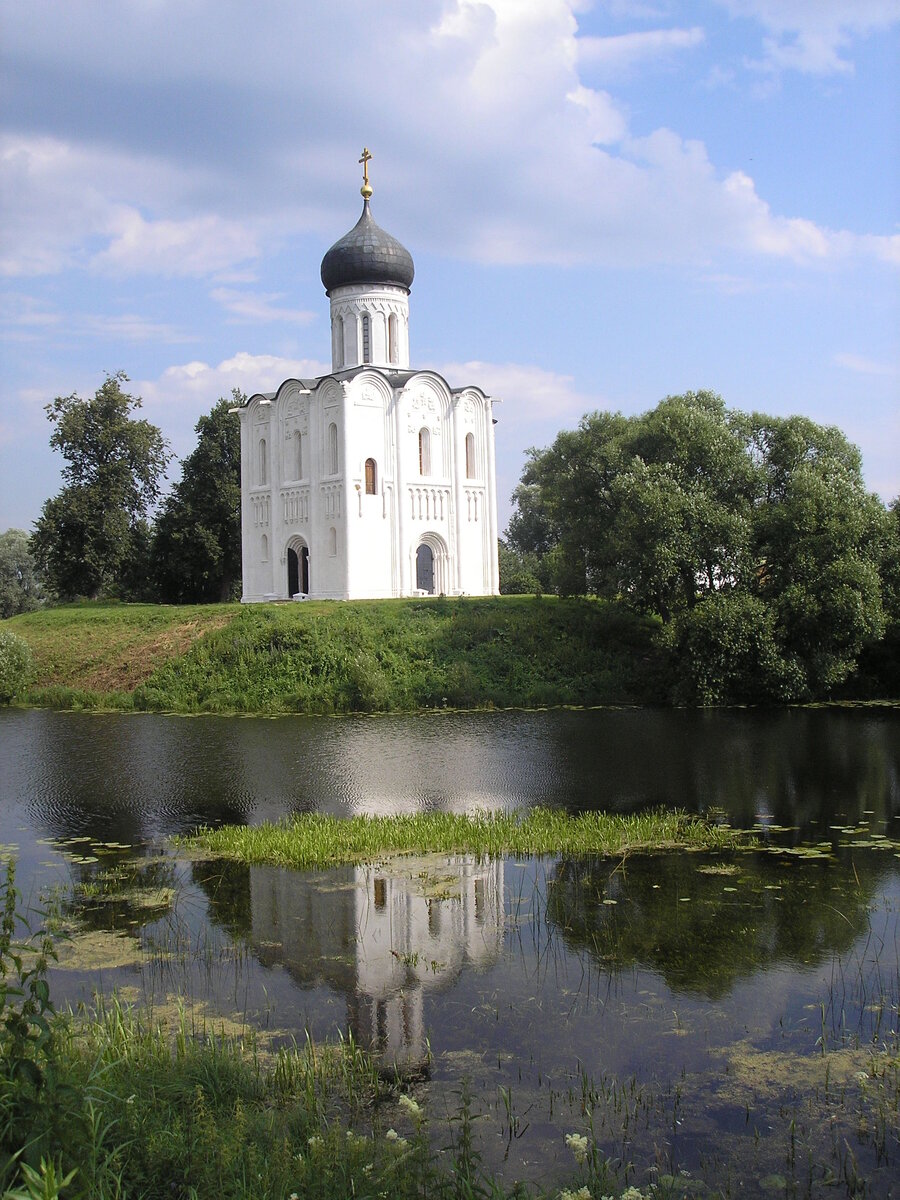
{"x":716,"y":1024}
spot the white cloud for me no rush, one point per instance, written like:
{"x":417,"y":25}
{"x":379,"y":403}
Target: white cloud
{"x":186,"y":383}
{"x":196,"y":246}
{"x":507,"y":155}
{"x":865,"y":366}
{"x":812,"y":35}
{"x":259,"y":306}
{"x":64,"y":205}
{"x":623,"y":51}
{"x":528,"y":393}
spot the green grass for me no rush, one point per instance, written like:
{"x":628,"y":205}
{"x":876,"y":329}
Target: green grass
{"x":106,"y":1105}
{"x":361,"y":656}
{"x":93,"y":655}
{"x":315,"y":840}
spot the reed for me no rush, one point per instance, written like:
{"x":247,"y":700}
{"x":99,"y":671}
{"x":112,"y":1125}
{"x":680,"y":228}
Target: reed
{"x":316,"y":840}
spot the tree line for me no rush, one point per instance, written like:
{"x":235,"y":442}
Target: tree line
{"x":774,"y":575}
{"x":106,"y":535}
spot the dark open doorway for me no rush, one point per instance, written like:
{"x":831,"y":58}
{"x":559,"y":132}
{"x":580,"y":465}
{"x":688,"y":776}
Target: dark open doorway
{"x":298,"y":571}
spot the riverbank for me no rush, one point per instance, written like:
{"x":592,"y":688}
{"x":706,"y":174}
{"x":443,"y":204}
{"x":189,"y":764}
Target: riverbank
{"x":361,"y":656}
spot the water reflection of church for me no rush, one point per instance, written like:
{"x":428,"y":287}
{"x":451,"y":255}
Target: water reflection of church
{"x":383,"y":935}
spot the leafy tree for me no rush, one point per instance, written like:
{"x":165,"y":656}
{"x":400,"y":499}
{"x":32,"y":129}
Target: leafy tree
{"x":20,"y":589}
{"x":752,"y":537}
{"x":87,"y":536}
{"x":196,"y":554}
{"x":517,"y":572}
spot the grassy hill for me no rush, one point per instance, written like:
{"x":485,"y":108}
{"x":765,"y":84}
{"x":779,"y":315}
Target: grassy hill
{"x":328,"y":657}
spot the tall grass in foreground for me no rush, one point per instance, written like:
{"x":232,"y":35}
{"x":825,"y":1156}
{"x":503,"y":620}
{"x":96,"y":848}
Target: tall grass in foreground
{"x":312,"y":840}
{"x":104,"y":1105}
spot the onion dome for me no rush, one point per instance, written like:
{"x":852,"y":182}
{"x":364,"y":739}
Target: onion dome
{"x":367,"y":255}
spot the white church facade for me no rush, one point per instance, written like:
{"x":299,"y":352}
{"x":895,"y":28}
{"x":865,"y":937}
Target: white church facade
{"x":375,"y":480}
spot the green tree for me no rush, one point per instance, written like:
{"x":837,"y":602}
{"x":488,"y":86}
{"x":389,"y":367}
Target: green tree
{"x":20,"y":589}
{"x":518,"y":572}
{"x":819,"y":543}
{"x":196,"y":554}
{"x":87,"y":536}
{"x":765,"y":520}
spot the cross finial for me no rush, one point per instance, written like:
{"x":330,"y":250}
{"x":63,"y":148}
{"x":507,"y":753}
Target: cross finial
{"x":366,"y":189}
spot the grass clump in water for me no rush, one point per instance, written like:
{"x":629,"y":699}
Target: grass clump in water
{"x":315,"y":840}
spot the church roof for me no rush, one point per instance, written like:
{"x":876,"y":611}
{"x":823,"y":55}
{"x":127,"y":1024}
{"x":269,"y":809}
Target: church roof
{"x":367,"y":255}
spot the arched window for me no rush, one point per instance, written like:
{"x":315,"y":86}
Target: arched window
{"x":424,"y":452}
{"x":366,"y":338}
{"x":470,"y":456}
{"x":264,"y":548}
{"x":371,"y":477}
{"x":262,"y":460}
{"x":332,"y":541}
{"x":393,"y":339}
{"x":332,"y":449}
{"x":338,"y":342}
{"x":298,"y":454}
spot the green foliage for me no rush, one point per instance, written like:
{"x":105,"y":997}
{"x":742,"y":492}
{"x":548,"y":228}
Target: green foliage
{"x":403,"y":655}
{"x":15,"y":665}
{"x":728,"y":653}
{"x":20,"y":589}
{"x":27,"y":1058}
{"x":518,"y":572}
{"x":765,"y":519}
{"x":315,"y":839}
{"x":89,"y":536}
{"x":196,"y":554}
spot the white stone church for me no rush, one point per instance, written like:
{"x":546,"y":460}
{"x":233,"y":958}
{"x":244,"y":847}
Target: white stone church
{"x":375,"y":480}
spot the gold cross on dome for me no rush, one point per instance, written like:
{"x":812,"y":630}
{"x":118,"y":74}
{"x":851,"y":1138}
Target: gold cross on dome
{"x":366,"y":189}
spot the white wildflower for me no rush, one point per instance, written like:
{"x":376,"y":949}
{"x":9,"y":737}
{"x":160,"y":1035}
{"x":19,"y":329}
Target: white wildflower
{"x":411,"y":1106}
{"x":313,"y":1142}
{"x":578,"y":1144}
{"x":391,"y":1135}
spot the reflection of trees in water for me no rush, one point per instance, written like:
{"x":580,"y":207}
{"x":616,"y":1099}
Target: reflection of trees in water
{"x":800,"y":765}
{"x":226,"y":886}
{"x":382,"y":935}
{"x":120,"y":893}
{"x":704,"y":944}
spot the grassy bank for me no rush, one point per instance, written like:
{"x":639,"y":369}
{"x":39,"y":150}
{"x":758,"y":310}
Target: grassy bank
{"x":314,"y":840}
{"x":365,"y":656}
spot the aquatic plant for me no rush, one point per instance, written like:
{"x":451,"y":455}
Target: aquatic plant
{"x":315,"y":839}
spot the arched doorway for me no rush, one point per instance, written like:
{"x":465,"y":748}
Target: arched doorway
{"x":298,"y":570}
{"x":425,"y":569}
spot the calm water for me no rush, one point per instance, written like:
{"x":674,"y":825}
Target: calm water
{"x":732,"y":1018}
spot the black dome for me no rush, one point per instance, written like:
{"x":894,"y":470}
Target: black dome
{"x":367,"y":255}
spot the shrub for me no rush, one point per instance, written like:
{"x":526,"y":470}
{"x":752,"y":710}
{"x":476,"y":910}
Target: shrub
{"x":726,"y":652}
{"x":15,"y":665}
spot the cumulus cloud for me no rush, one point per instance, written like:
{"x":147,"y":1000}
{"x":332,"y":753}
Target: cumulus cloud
{"x":67,"y":204}
{"x":811,"y":36}
{"x":134,"y":154}
{"x":196,"y":246}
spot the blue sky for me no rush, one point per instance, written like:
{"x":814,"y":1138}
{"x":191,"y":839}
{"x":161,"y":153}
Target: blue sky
{"x":606,"y":203}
